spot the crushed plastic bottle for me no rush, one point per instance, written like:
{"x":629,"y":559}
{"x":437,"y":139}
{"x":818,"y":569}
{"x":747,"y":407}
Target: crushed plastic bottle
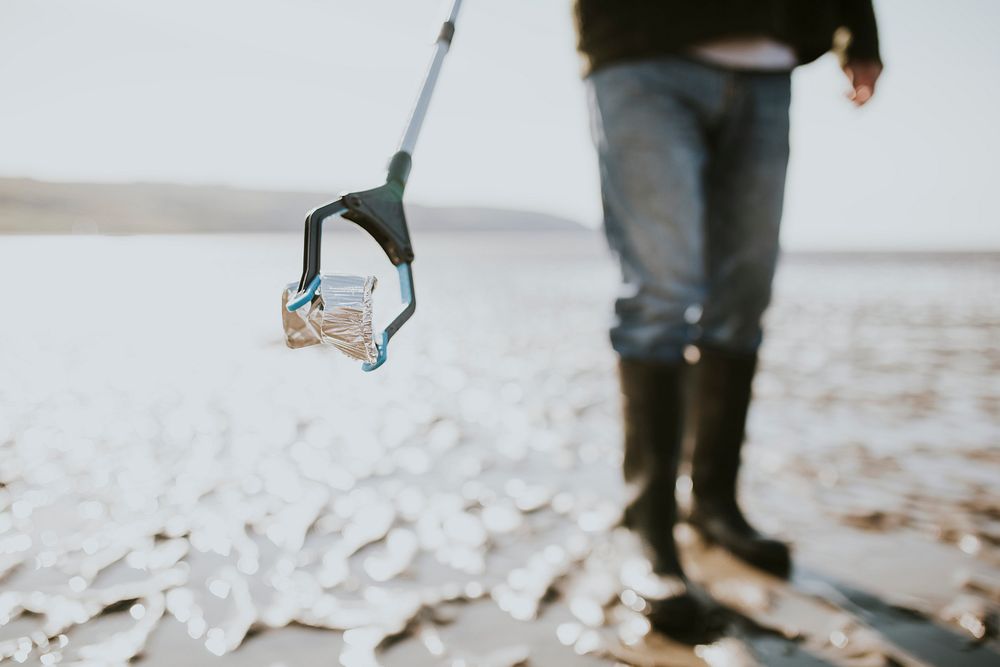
{"x":341,"y":316}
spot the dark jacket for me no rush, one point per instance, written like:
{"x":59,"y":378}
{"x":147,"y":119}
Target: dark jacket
{"x":615,"y":30}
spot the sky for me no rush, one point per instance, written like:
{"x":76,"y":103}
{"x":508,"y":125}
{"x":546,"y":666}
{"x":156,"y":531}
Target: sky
{"x":313,"y":94}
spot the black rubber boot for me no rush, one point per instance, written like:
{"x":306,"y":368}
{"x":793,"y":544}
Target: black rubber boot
{"x":653,"y":411}
{"x":722,"y":397}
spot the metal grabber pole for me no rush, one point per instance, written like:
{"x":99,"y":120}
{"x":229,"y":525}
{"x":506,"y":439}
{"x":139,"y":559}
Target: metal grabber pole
{"x":412,"y":132}
{"x":379,"y":211}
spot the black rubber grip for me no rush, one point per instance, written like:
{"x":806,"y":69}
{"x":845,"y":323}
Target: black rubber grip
{"x":399,"y":168}
{"x":447,"y":32}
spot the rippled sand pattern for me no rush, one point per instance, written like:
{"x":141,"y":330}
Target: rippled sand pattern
{"x":180,"y":488}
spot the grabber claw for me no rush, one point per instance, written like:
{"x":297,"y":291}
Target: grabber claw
{"x":339,"y":310}
{"x":379,"y":212}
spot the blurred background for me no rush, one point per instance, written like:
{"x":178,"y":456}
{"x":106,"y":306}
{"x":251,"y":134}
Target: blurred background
{"x":175,"y":484}
{"x":311,"y":96}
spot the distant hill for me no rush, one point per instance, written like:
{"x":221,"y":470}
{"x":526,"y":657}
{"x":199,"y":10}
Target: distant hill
{"x":38,"y":207}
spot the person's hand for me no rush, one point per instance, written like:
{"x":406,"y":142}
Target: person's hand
{"x":862,"y":75}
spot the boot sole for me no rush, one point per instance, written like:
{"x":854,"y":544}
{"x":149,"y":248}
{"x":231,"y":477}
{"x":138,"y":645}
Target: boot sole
{"x":779,"y":570}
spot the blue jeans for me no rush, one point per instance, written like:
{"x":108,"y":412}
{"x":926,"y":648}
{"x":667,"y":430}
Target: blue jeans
{"x":692,"y":161}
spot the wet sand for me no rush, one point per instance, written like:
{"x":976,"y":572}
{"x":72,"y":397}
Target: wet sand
{"x":180,"y":488}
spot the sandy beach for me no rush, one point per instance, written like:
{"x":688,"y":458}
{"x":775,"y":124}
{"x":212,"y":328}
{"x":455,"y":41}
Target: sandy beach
{"x":177,"y":487}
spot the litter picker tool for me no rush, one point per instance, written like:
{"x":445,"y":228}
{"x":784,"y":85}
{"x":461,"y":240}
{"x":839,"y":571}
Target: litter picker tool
{"x":336,"y":310}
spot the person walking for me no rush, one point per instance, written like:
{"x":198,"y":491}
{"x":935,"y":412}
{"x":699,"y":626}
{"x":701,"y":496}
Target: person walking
{"x":690,"y":103}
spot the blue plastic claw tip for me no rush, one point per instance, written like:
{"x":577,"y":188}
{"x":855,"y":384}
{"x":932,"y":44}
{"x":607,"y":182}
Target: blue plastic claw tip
{"x":303,"y":297}
{"x":383,"y":353}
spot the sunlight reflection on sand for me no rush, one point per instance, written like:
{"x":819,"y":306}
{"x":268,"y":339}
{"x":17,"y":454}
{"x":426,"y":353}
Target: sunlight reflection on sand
{"x":165,"y":455}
